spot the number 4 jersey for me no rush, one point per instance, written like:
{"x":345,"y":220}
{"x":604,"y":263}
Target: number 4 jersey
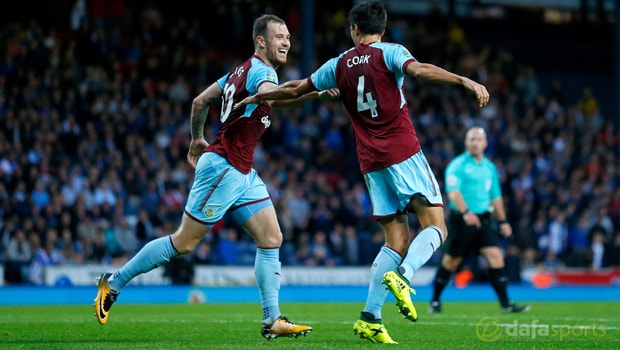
{"x":241,"y":129}
{"x":370,"y":79}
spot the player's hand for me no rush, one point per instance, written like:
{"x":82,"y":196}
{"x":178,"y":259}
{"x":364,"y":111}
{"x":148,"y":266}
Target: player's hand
{"x":472,"y":219}
{"x":329,"y":94}
{"x":482,"y":95}
{"x":505,"y":229}
{"x":196,"y":149}
{"x":246,"y":101}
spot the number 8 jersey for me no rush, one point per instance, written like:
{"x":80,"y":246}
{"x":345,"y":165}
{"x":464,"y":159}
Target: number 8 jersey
{"x":241,"y":129}
{"x":370,"y":79}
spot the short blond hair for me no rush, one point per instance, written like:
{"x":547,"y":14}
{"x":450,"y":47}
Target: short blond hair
{"x":261,"y":24}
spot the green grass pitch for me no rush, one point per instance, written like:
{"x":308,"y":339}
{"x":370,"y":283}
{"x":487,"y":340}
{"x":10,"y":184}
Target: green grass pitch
{"x":471,"y":325}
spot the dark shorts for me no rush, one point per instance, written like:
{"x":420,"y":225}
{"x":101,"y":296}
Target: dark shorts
{"x":463,"y":239}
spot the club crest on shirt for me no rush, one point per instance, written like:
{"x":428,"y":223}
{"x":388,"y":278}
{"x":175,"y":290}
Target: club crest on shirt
{"x":266,"y":121}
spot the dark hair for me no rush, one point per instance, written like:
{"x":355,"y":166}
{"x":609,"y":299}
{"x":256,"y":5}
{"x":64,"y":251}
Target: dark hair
{"x":260,"y":25}
{"x":370,"y":17}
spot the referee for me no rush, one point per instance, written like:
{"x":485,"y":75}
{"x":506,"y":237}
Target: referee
{"x":473,"y":189}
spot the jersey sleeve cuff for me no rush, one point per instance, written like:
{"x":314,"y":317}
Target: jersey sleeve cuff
{"x":309,"y":80}
{"x":407,"y":62}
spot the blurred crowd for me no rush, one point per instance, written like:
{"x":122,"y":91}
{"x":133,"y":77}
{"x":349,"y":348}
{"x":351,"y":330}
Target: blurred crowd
{"x":95,"y":129}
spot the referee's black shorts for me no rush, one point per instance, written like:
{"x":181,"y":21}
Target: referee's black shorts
{"x":463,"y":239}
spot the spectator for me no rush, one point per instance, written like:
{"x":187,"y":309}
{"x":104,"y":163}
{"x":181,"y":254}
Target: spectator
{"x":125,"y":235}
{"x":180,"y":270}
{"x":40,"y":196}
{"x":613,"y":252}
{"x":352,"y":246}
{"x":18,"y":256}
{"x":320,"y":252}
{"x":150,"y":198}
{"x":47,"y":255}
{"x":95,"y":246}
{"x":337,"y":243}
{"x":299,"y":207}
{"x":203,"y":254}
{"x":303,"y":249}
{"x":599,"y":241}
{"x":7,"y":232}
{"x":71,"y":250}
{"x":558,"y":234}
{"x":227,"y":248}
{"x":578,"y":245}
{"x":145,"y":230}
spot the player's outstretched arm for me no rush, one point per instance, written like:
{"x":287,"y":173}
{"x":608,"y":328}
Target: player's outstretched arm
{"x":289,"y":90}
{"x":310,"y":96}
{"x":431,"y":73}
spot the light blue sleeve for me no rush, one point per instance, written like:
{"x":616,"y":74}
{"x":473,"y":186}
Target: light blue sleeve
{"x":325,"y":77}
{"x":496,"y":191}
{"x":258,"y":74}
{"x":395,"y":56}
{"x":222,"y":81}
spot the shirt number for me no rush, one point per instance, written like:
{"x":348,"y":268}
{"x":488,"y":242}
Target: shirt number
{"x":227,"y":104}
{"x":364,"y":100}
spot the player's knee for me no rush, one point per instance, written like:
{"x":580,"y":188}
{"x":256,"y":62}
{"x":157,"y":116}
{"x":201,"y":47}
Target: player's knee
{"x":184,"y":244}
{"x":399,"y":245}
{"x":184,"y":247}
{"x":452,"y":266}
{"x":440,"y":227}
{"x":444,"y":229}
{"x":442,"y":232}
{"x":401,"y":248}
{"x":270,"y":240}
{"x":450,"y":263}
{"x":181,"y":248}
{"x":495,"y":258}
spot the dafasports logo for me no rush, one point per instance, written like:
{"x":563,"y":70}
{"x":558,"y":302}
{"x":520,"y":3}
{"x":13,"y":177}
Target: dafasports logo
{"x":489,"y":330}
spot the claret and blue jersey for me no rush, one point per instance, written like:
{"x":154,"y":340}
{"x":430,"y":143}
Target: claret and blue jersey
{"x":241,"y":129}
{"x":370,"y":79}
{"x":224,"y":180}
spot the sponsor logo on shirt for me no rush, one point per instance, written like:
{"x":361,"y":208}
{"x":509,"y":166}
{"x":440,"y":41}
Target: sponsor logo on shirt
{"x":271,"y":76}
{"x":266,"y":121}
